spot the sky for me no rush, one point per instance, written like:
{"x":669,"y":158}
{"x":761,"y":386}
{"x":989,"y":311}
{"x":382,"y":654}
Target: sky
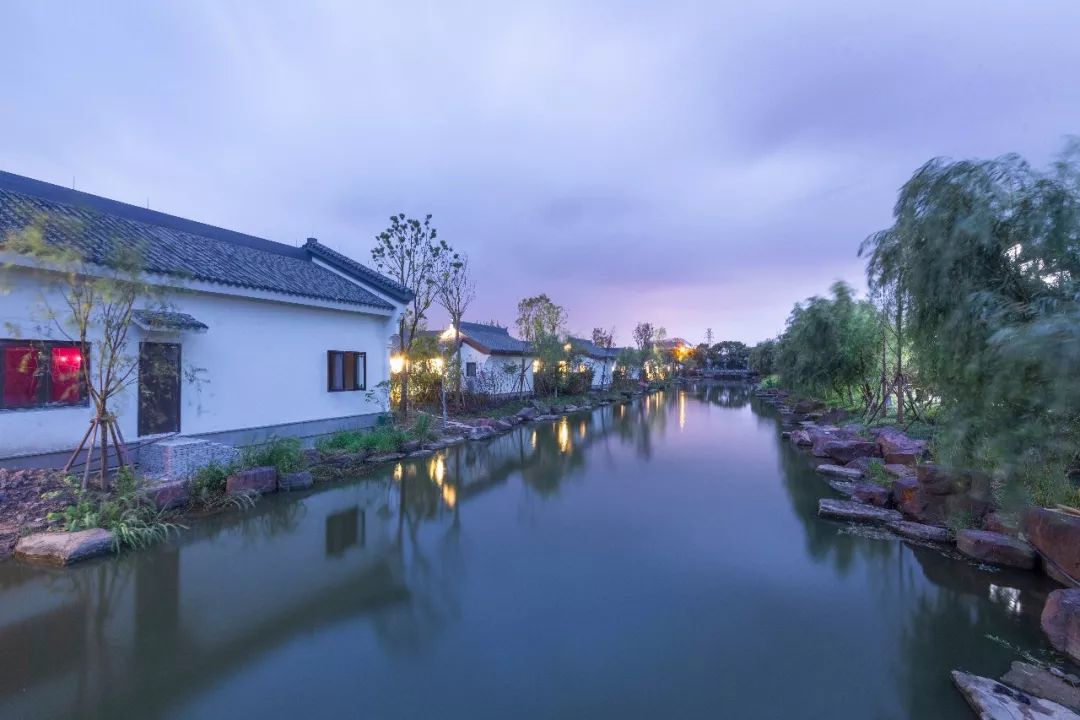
{"x":692,"y":164}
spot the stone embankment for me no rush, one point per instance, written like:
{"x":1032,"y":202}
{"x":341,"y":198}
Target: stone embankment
{"x":889,"y":482}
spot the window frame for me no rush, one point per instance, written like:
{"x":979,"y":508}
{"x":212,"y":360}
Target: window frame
{"x":360,"y":375}
{"x":473,"y":366}
{"x":44,"y":391}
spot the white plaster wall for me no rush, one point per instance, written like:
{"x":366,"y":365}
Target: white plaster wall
{"x":261,"y":363}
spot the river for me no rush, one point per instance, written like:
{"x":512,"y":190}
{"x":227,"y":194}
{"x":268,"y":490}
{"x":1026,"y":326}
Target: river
{"x":661,"y":559}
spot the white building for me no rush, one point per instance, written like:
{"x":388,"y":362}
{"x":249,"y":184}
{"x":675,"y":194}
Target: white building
{"x":264,"y":339}
{"x":598,"y":359}
{"x":492,"y":360}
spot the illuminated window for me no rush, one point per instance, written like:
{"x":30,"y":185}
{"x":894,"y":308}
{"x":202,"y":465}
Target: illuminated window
{"x":40,"y":374}
{"x":346,"y":371}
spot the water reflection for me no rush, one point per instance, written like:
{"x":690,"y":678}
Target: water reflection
{"x":551,"y":546}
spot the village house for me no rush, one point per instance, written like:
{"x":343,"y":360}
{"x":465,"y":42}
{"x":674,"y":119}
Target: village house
{"x":598,"y":359}
{"x":493,"y":361}
{"x":263,"y":339}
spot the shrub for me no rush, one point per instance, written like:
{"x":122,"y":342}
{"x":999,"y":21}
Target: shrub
{"x":125,"y":511}
{"x":422,"y":429}
{"x":208,"y":488}
{"x":283,"y":454}
{"x":382,"y":439}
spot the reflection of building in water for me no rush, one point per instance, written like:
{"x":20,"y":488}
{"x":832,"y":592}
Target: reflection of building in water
{"x":344,"y":529}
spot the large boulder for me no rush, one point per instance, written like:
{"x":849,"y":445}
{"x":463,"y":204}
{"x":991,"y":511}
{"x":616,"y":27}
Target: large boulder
{"x":1061,"y":621}
{"x":855,"y":511}
{"x":1056,"y":535}
{"x":844,"y":451}
{"x":839,"y":471}
{"x":995,"y":548}
{"x":918,"y":531}
{"x":65,"y":548}
{"x":261,"y":480}
{"x":800,"y":438}
{"x":168,"y":495}
{"x":527,"y":413}
{"x":871,"y":494}
{"x":905,"y":492}
{"x":992,"y":700}
{"x":804,"y":407}
{"x":1050,"y":684}
{"x":936,"y":494}
{"x":899,"y":449}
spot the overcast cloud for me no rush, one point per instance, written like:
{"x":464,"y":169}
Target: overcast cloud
{"x":693,"y":164}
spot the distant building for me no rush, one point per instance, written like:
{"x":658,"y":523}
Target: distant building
{"x":492,"y":360}
{"x":598,"y":359}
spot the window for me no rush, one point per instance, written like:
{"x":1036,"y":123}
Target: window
{"x":346,"y":370}
{"x":470,"y":369}
{"x":37,"y":373}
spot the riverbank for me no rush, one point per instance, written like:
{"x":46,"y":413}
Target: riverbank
{"x":888,"y":481}
{"x":35,"y":504}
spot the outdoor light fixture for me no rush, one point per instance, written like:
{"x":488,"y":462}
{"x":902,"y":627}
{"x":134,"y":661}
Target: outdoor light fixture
{"x":397,"y":363}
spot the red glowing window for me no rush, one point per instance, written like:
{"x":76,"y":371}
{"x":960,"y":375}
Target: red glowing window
{"x":21,"y":379}
{"x":65,"y":374}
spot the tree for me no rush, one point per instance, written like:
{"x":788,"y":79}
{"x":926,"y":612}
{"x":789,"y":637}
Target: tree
{"x":762,"y":357}
{"x":644,"y":335}
{"x":456,"y":292}
{"x":92,"y":305}
{"x":409,"y":252}
{"x":604,"y":339}
{"x":541,"y":323}
{"x":983,"y":264}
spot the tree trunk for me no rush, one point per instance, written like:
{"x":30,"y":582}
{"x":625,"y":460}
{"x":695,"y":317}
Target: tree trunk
{"x":899,"y":357}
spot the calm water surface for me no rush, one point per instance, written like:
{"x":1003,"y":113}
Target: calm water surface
{"x":657,"y":560}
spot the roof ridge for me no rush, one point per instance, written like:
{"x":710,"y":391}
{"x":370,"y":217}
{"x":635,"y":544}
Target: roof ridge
{"x":387,"y":284}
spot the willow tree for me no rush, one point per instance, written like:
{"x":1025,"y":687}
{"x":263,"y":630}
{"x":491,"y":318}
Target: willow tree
{"x":409,"y":252}
{"x":986,"y":256}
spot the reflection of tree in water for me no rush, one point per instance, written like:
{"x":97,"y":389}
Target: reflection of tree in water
{"x":723,"y":394}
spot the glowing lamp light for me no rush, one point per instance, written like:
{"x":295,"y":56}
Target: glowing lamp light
{"x":437,"y":364}
{"x":536,"y":366}
{"x":397,"y":363}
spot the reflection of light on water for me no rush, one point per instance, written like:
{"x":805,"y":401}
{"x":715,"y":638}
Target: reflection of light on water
{"x":449,"y":495}
{"x":1007,"y":596}
{"x":437,"y":469}
{"x":682,"y":410}
{"x":564,"y":435}
{"x":619,"y":410}
{"x":533,"y":440}
{"x":581,"y":430}
{"x":399,"y":471}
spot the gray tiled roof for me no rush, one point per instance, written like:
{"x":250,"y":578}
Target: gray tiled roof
{"x":166,"y":320}
{"x":343,"y":262}
{"x":493,"y":339}
{"x":588,"y":347}
{"x":97,"y":227}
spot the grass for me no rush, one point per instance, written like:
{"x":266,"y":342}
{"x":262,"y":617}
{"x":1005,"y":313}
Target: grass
{"x":283,"y":454}
{"x":876,"y":472}
{"x":383,"y":439}
{"x":125,"y":511}
{"x":207,"y":489}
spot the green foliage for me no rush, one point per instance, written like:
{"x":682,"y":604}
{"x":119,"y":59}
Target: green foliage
{"x":125,"y":511}
{"x":986,"y":257}
{"x":829,"y":347}
{"x":422,"y":429}
{"x":283,"y":454}
{"x":207,"y":488}
{"x":769,"y":382}
{"x":876,"y":472}
{"x":762,"y":357}
{"x":383,"y":439}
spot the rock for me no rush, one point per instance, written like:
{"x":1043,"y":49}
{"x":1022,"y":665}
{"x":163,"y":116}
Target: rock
{"x":996,"y":522}
{"x":1061,"y":621}
{"x":993,"y":701}
{"x":937,"y":480}
{"x":1040,"y":682}
{"x":410,"y":446}
{"x":386,"y":457}
{"x":899,"y":470}
{"x":871,"y":494}
{"x":527,"y":413}
{"x":995,"y":548}
{"x":547,"y":418}
{"x":65,"y":548}
{"x":1056,"y":535}
{"x":839,"y":471}
{"x":935,"y":494}
{"x":295,"y":481}
{"x":785,"y":434}
{"x":844,"y":451}
{"x":570,"y":408}
{"x":168,"y":495}
{"x":541,"y":408}
{"x":503,"y":425}
{"x":862,"y":464}
{"x":260,"y":480}
{"x":834,"y":416}
{"x":918,"y":531}
{"x":899,"y":449}
{"x":800,"y":438}
{"x":844,"y":487}
{"x":857,"y":512}
{"x":420,"y":454}
{"x":808,"y":406}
